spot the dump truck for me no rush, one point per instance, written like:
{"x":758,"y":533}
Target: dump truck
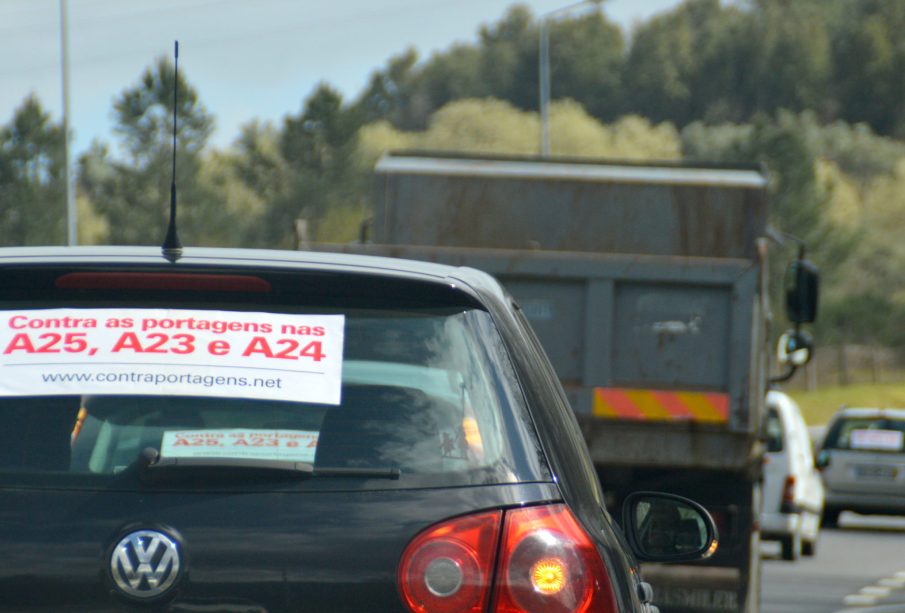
{"x":647,"y":285}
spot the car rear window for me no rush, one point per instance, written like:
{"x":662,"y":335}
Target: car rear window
{"x":867,"y":434}
{"x":775,"y":438}
{"x":415,"y":392}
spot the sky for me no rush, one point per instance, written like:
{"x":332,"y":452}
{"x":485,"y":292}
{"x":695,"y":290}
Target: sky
{"x":249,"y":59}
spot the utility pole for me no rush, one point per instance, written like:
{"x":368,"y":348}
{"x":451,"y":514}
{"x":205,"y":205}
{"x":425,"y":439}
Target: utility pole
{"x":544,"y":67}
{"x":71,"y":232}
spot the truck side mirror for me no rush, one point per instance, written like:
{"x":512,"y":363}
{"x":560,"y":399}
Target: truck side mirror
{"x":795,"y":348}
{"x":801,"y":289}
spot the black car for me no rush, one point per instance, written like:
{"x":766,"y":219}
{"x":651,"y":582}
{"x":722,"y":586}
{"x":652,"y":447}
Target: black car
{"x":263,"y":431}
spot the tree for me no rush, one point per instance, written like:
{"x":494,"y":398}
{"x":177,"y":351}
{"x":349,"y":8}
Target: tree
{"x":586,"y":64}
{"x":32,"y":189}
{"x":666,"y":62}
{"x":793,"y":53}
{"x":870,"y":59}
{"x":318,"y":147}
{"x":389,"y":91}
{"x":133,"y":192}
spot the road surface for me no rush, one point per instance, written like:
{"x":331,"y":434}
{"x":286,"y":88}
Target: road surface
{"x":859,"y":568}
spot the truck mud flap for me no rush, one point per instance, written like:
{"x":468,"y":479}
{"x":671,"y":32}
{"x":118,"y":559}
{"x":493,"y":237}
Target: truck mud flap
{"x":693,"y":589}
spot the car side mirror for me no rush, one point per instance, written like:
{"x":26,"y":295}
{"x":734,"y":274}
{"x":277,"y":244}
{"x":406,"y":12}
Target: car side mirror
{"x":801,"y":290}
{"x":668,"y":528}
{"x":822,"y":460}
{"x":795,"y":347}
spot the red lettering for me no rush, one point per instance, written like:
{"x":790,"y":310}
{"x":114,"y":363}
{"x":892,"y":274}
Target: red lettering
{"x":260,"y":345}
{"x":20,"y":342}
{"x":286,"y":354}
{"x":313,"y":350}
{"x":218,"y":348}
{"x":75,"y":342}
{"x":128,"y":340}
{"x":53,"y":339}
{"x":186,"y":344}
{"x":159,"y":341}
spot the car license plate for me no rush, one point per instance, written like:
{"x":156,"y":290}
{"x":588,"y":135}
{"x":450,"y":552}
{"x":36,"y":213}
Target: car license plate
{"x":868,"y":471}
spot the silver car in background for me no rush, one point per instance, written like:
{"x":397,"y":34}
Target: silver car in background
{"x":862,"y":460}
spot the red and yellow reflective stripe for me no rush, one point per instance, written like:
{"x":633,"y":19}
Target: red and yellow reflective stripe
{"x":659,"y":405}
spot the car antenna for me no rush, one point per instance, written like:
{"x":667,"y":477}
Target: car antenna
{"x":172,"y":248}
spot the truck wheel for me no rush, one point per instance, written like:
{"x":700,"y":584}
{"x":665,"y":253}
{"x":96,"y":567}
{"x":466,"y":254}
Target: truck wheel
{"x":830,"y":518}
{"x":808,"y":548}
{"x":791,"y":547}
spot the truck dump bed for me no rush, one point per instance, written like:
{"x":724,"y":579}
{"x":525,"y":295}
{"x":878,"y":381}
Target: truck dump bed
{"x":680,"y":210}
{"x":643,"y":283}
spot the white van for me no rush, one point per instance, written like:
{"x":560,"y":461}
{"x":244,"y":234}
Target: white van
{"x":792,"y":490}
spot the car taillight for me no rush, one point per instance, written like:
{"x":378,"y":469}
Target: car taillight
{"x":788,"y":495}
{"x":448,"y":568}
{"x":163,"y":282}
{"x":549,"y":564}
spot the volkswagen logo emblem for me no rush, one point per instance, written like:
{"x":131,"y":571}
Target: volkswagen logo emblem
{"x":146,"y":563}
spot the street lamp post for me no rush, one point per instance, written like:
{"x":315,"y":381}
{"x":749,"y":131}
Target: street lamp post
{"x":71,"y":224}
{"x":544,"y":62}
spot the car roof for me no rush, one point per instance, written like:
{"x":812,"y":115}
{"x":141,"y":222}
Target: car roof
{"x":870,"y":412}
{"x":473,"y":281}
{"x":781,"y":400}
{"x":224,"y":256}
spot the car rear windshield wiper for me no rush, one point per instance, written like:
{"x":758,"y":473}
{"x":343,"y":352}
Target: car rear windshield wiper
{"x":153,"y":467}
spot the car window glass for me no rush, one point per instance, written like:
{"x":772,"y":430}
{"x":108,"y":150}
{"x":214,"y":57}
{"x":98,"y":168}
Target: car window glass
{"x":773,"y":431}
{"x":421,"y":393}
{"x":867,"y":433}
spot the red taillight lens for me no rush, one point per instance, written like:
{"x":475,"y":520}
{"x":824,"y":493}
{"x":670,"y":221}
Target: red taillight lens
{"x":163,"y":282}
{"x":548,"y":564}
{"x":788,"y":490}
{"x":787,"y":504}
{"x":448,"y":568}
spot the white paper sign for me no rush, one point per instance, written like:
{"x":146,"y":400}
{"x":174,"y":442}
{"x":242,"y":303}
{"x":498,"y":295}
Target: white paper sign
{"x":172,"y":352}
{"x":292,"y":445}
{"x":886,"y":440}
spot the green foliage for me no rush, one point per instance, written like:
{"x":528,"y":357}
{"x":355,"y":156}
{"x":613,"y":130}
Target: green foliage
{"x":793,"y":56}
{"x":797,"y":204}
{"x":133,"y":195}
{"x":482,"y":126}
{"x":818,"y":407}
{"x":666,"y":55}
{"x":586,"y":60}
{"x":867,"y":317}
{"x":810,"y":88}
{"x":705,"y":60}
{"x":870,"y":59}
{"x":387,"y":95}
{"x":496,"y":127}
{"x":32,"y":188}
{"x":319,"y":148}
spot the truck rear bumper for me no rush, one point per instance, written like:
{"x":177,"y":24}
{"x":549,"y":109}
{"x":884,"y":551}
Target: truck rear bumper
{"x":865,"y":503}
{"x":694,"y":588}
